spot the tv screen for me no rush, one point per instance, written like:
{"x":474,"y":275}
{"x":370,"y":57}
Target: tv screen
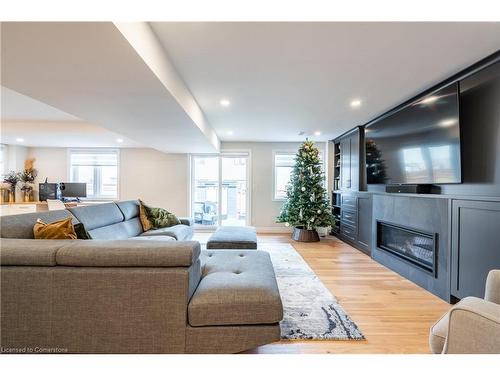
{"x":73,"y":189}
{"x":419,"y":144}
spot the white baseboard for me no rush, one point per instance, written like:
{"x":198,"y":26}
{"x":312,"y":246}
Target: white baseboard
{"x":274,"y":229}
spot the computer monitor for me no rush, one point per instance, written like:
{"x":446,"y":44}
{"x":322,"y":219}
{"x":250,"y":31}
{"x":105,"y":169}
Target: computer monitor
{"x":73,"y":189}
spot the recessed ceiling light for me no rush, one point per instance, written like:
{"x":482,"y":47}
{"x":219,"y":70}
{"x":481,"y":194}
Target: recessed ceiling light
{"x":229,"y":132}
{"x":355,"y":103}
{"x":19,"y":139}
{"x":119,"y":140}
{"x":225,"y":102}
{"x":317,"y":133}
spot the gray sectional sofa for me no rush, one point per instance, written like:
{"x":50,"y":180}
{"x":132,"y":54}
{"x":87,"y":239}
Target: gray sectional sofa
{"x":129,"y":291}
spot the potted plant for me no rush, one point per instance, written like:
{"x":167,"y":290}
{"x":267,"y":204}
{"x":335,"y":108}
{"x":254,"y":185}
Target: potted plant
{"x":11,"y":179}
{"x":27,"y":177}
{"x":306,"y":206}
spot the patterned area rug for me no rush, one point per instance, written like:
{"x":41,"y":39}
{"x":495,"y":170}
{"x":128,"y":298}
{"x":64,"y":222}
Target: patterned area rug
{"x":311,"y":312}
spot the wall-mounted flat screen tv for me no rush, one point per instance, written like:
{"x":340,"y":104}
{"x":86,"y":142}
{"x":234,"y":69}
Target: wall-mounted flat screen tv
{"x":419,"y":144}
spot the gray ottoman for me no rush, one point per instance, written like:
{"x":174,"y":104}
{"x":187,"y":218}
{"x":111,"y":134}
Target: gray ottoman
{"x":233,"y":238}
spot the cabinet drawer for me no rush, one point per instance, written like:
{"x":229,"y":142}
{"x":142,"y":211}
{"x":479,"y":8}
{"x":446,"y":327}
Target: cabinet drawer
{"x":348,"y":231}
{"x":349,"y":201}
{"x":349,"y":217}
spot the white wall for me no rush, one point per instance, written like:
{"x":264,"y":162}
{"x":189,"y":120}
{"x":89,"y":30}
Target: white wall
{"x":51,"y":163}
{"x":159,"y":179}
{"x":163,"y":179}
{"x":264,"y":209}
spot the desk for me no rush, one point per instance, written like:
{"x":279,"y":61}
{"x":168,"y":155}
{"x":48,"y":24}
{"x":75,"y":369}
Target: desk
{"x":26,"y":207}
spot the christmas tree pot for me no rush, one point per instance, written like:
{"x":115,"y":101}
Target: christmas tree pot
{"x":305,"y":235}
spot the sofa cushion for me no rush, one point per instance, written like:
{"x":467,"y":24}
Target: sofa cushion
{"x":21,"y":252}
{"x":118,"y":231}
{"x":128,"y":253}
{"x":180,"y":232}
{"x":187,"y":221}
{"x":21,"y":226}
{"x":233,"y":238}
{"x":129,"y":209}
{"x":152,"y":238}
{"x":98,"y":215}
{"x":237,"y":287}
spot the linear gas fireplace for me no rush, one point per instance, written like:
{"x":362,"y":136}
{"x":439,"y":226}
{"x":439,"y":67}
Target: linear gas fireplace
{"x":413,"y":246}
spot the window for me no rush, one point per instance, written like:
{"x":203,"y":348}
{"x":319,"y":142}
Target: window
{"x":283,"y":166}
{"x":219,"y":186}
{"x":98,"y":169}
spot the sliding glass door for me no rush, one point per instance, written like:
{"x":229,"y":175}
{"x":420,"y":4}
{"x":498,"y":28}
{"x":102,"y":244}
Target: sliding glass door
{"x":219,"y":190}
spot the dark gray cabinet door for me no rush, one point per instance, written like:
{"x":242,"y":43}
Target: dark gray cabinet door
{"x":475,"y":245}
{"x":365,"y":223}
{"x":350,"y":161}
{"x":354,"y":183}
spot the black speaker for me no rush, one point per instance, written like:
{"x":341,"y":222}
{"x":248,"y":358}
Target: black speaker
{"x":408,"y":189}
{"x":48,"y":190}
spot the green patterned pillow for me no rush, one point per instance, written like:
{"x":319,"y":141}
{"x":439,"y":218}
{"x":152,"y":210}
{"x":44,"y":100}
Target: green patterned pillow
{"x":159,"y":217}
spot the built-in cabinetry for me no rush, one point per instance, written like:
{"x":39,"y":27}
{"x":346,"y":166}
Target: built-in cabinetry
{"x":445,"y":242}
{"x":349,"y":146}
{"x":355,"y":219}
{"x":350,"y":206}
{"x":475,"y":245}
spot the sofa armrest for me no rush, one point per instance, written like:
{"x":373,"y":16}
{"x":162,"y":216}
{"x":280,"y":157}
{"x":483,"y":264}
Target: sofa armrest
{"x":125,"y":253}
{"x":492,"y":291}
{"x":187,"y":221}
{"x":474,"y":329}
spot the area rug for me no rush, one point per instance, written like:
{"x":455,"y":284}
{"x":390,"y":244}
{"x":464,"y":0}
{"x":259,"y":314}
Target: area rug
{"x":311,"y":312}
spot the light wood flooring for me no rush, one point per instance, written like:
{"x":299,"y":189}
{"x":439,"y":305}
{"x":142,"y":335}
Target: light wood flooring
{"x":393,"y":313}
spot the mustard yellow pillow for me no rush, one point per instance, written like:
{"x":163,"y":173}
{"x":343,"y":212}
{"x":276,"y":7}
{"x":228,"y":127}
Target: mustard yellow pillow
{"x":143,"y":216}
{"x":58,"y":230}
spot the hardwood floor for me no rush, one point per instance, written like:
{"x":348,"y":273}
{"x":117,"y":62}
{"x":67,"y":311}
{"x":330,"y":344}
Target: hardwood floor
{"x":393,"y":313}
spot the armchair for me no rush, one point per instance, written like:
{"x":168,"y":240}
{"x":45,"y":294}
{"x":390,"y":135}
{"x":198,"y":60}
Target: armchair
{"x":472,"y":326}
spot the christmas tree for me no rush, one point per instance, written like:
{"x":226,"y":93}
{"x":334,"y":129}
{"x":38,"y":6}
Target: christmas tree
{"x":306,"y":204}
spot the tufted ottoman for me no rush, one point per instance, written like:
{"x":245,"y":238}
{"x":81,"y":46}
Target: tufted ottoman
{"x":238,"y":294}
{"x":233,"y":238}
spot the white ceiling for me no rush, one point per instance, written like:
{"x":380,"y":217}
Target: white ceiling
{"x":18,"y":107}
{"x":92,"y":71}
{"x":283,"y":78}
{"x":41,"y":125}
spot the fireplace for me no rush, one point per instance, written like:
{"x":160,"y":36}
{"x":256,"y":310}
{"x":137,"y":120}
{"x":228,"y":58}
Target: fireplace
{"x":411,"y":245}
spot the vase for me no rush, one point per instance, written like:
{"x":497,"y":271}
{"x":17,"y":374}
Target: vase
{"x":12,"y":196}
{"x":305,"y":235}
{"x":27,"y":196}
{"x":4,"y":195}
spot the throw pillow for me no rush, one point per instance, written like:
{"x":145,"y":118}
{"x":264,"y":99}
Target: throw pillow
{"x":143,"y":216}
{"x":81,"y":232}
{"x":58,"y":230}
{"x":157,"y":217}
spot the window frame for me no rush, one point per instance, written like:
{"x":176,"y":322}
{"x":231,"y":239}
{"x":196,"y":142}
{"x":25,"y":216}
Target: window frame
{"x":294,"y":152}
{"x":102,"y":150}
{"x":229,"y":152}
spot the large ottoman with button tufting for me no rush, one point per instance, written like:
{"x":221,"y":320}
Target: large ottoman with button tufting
{"x":236,"y":301}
